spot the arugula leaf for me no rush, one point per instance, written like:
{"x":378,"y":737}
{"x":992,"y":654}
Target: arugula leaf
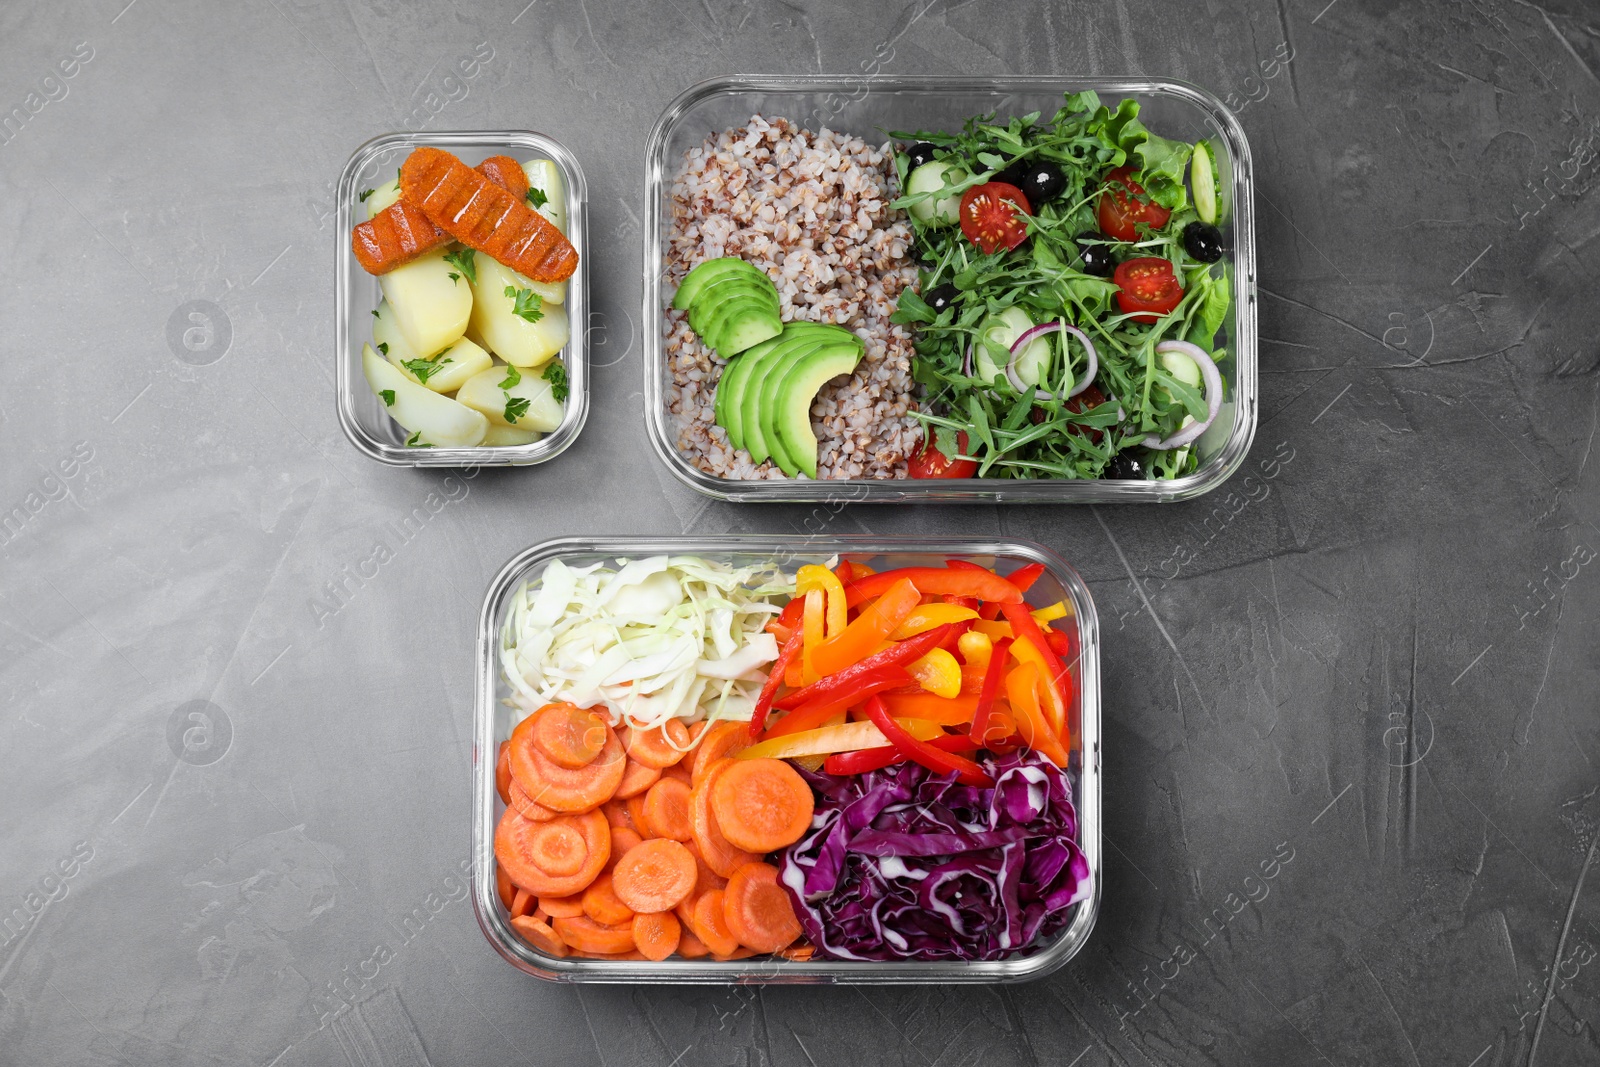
{"x":388,"y":397}
{"x":1213,"y":309}
{"x":536,"y":197}
{"x":529,"y":304}
{"x":912,"y":308}
{"x":556,"y":375}
{"x":516,"y":407}
{"x":364,"y":194}
{"x":512,"y":379}
{"x":466,"y":262}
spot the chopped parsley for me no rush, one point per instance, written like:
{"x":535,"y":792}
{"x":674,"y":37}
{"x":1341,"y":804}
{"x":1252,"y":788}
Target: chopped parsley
{"x":536,"y":197}
{"x":416,"y":441}
{"x":512,"y":380}
{"x":425,"y":368}
{"x":388,"y":397}
{"x":529,"y":304}
{"x":453,"y":276}
{"x":516,"y":407}
{"x":375,"y":313}
{"x":556,"y":375}
{"x":383,"y":346}
{"x":464,"y":261}
{"x":366,"y":193}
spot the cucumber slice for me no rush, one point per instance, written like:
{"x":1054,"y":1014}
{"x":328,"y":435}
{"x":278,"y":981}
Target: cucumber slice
{"x":1203,"y":183}
{"x":927,"y":178}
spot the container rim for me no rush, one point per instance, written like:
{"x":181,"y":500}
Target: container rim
{"x":1244,"y":340}
{"x":575,"y":355}
{"x":486,"y":905}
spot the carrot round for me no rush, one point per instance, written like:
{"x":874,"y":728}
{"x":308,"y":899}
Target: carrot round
{"x":564,"y":789}
{"x":758,"y":909}
{"x":691,"y":947}
{"x":622,"y":839}
{"x":617,"y":814}
{"x":523,"y":847}
{"x":710,"y":924}
{"x":762,"y":804}
{"x":540,"y":935}
{"x":722,"y":739}
{"x":502,"y":884}
{"x":660,"y":746}
{"x":740,"y":953}
{"x":680,"y":771}
{"x":636,"y":778}
{"x":561,"y":907}
{"x":586,"y":935}
{"x":570,"y":736}
{"x":654,"y":876}
{"x":601,"y":904}
{"x":657,"y":934}
{"x":526,"y":806}
{"x":635,"y":808}
{"x":523,"y":903}
{"x":666,"y":810}
{"x":502,"y":772}
{"x":715,"y":849}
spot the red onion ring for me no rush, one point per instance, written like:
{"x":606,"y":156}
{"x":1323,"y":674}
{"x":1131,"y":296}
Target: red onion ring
{"x":1213,"y":383}
{"x":1048,"y":328}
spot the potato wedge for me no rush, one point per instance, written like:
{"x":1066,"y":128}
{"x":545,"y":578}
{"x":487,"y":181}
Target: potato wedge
{"x":545,"y":176}
{"x":383,"y":196}
{"x":487,"y":392}
{"x":431,"y":308}
{"x":436,"y":419}
{"x":508,"y":436}
{"x":505,"y":333}
{"x":464,"y":358}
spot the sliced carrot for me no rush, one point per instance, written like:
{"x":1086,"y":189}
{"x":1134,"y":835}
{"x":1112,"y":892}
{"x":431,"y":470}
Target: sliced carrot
{"x":622,"y":839}
{"x":617,"y":814}
{"x":636,"y":778}
{"x":758,"y":909}
{"x":715,"y":849}
{"x":762,"y":804}
{"x":799,"y":952}
{"x":657,"y":934}
{"x":633,"y":954}
{"x":562,"y":907}
{"x":502,"y":772}
{"x":635,"y":806}
{"x":740,"y":953}
{"x":570,"y":736}
{"x":523,"y":847}
{"x":561,"y":788}
{"x":540,"y":914}
{"x":600,"y":902}
{"x":502,"y":884}
{"x":680,"y":771}
{"x":586,"y":935}
{"x":523,"y":903}
{"x":666,"y":810}
{"x":706,"y":879}
{"x":526,"y":806}
{"x":654,"y":876}
{"x":659,"y":747}
{"x":540,"y":935}
{"x":722,"y":739}
{"x":710,"y":924}
{"x":691,"y":947}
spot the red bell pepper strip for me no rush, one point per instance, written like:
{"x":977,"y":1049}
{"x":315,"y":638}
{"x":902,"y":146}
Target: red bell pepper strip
{"x":936,"y":581}
{"x":1060,"y":643}
{"x":993,"y":679}
{"x":989,"y":611}
{"x":845,"y":571}
{"x":791,"y":649}
{"x":1024,"y":577}
{"x":871,"y":759}
{"x":817,"y":712}
{"x":935,"y":759}
{"x":789,"y":617}
{"x":901,"y":652}
{"x":1026,"y":627}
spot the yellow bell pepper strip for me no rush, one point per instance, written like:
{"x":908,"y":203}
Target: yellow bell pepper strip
{"x":993,"y":630}
{"x":1030,"y":637}
{"x":947,"y":711}
{"x":993,"y":678}
{"x":845,"y":737}
{"x":790,"y":651}
{"x":976,"y":648}
{"x":937,"y":581}
{"x":1047,"y":615}
{"x":873,"y":625}
{"x":897,"y":654}
{"x":815,"y":712}
{"x":812,"y":577}
{"x":872,"y":759}
{"x":1022,"y":690}
{"x":938,"y":673}
{"x":935,"y":759}
{"x":926,"y":616}
{"x":814,"y":626}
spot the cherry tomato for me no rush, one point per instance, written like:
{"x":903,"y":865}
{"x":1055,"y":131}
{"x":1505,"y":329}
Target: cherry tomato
{"x":1121,"y":207}
{"x":1147,"y":285}
{"x":931,"y":463}
{"x":991,"y":216}
{"x":1087,"y":400}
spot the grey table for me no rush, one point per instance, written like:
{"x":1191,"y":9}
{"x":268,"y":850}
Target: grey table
{"x":1350,"y":717}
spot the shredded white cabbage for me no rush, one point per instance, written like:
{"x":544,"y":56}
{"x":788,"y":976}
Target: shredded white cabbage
{"x":654,"y":639}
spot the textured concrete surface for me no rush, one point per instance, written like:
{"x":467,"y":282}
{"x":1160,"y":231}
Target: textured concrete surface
{"x":1350,"y":728}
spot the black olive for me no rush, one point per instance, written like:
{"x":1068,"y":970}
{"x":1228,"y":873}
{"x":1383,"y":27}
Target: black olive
{"x":919,"y":153}
{"x":1042,"y":184}
{"x":1203,"y":241}
{"x":1014,"y":174}
{"x":1126,"y":466}
{"x":1095,"y":249}
{"x":942,"y":297}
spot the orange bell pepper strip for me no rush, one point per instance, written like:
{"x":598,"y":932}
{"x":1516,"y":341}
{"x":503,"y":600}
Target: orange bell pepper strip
{"x":946,"y":711}
{"x":1022,"y":690}
{"x":1031,"y":639}
{"x":863,"y":636}
{"x":816,"y":712}
{"x":941,"y":581}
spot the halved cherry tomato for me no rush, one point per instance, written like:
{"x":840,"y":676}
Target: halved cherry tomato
{"x":1088,"y":400}
{"x":1147,"y":285}
{"x":931,"y":463}
{"x":1123,"y":205}
{"x":991,"y":216}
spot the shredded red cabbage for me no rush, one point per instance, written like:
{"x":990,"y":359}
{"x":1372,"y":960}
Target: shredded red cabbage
{"x":904,"y":864}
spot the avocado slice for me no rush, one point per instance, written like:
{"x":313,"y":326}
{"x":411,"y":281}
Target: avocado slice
{"x":714,"y":297}
{"x":738,"y":323}
{"x":776,"y":397}
{"x":763,"y":375}
{"x":712,"y":270}
{"x":726,"y":406}
{"x":790,"y":417}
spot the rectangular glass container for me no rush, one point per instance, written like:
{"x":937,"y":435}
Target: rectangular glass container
{"x":869,"y":107}
{"x":493,"y":722}
{"x":361,"y":414}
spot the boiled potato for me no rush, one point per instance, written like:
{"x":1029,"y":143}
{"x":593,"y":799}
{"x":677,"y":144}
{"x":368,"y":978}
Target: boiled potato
{"x":544,"y":174}
{"x":485,"y":392}
{"x":383,"y":196}
{"x":430,"y":307}
{"x":437,"y":419}
{"x":455,"y":365}
{"x":507,"y":436}
{"x":503,"y":332}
